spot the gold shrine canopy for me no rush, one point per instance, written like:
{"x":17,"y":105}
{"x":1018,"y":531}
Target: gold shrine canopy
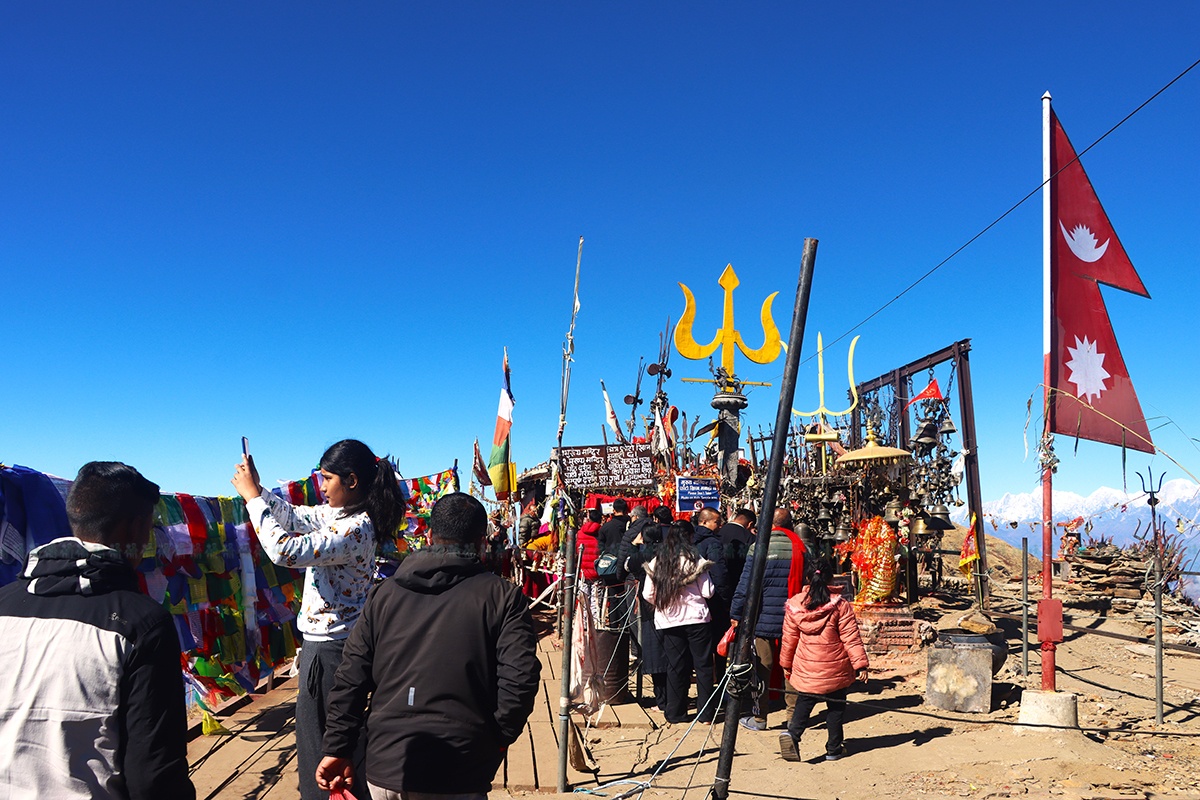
{"x":873,"y":453}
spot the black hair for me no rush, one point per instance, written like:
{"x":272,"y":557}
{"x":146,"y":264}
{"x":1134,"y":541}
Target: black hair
{"x":817,"y":572}
{"x":594,"y":515}
{"x":674,"y":561}
{"x":620,"y":506}
{"x":382,"y":499}
{"x":748,"y":514}
{"x":706,"y":514}
{"x":104,"y":494}
{"x":664,"y":515}
{"x":458,"y":519}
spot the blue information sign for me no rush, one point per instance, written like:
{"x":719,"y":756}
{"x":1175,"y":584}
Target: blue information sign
{"x":693,"y":494}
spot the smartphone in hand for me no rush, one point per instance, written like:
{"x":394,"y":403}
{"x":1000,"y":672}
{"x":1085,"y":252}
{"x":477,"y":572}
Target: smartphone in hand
{"x":245,"y":446}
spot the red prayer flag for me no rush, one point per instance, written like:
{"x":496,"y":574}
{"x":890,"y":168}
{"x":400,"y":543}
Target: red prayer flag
{"x":930,"y":392}
{"x":1085,"y":362}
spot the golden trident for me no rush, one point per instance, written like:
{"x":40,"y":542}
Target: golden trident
{"x":821,"y":437}
{"x":727,"y":337}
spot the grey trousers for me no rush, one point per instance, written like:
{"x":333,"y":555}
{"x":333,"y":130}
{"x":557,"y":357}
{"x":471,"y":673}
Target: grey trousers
{"x":318,"y":665}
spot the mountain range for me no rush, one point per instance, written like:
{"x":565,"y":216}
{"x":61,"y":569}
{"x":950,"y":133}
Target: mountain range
{"x":1114,"y":515}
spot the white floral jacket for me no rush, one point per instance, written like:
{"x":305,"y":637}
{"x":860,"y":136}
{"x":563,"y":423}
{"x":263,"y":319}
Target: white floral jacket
{"x":338,"y":552}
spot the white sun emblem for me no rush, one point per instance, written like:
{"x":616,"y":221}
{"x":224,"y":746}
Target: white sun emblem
{"x":1087,"y":369}
{"x":1083,"y":243}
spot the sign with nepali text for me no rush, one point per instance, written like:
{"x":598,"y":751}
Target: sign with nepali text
{"x":603,"y":465}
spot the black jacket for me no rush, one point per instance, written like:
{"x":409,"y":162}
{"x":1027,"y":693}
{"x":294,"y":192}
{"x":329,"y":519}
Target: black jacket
{"x":78,"y":635}
{"x":448,"y":654}
{"x":735,"y":543}
{"x":611,"y":532}
{"x":708,"y":544}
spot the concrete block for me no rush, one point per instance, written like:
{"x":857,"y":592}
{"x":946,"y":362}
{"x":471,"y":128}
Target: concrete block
{"x":960,"y":679}
{"x":1047,"y":708}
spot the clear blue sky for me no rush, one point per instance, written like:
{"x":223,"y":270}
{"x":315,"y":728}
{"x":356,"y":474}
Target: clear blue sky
{"x":305,"y":221}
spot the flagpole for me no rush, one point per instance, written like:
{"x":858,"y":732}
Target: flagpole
{"x":1048,"y":647}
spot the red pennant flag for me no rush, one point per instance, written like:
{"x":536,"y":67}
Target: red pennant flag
{"x":1085,"y":362}
{"x":930,"y":392}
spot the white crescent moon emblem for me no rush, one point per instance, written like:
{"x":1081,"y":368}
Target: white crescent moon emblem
{"x":1083,"y":243}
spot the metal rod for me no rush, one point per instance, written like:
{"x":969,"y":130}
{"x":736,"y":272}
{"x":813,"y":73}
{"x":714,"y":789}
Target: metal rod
{"x":966,"y":402}
{"x":1024,"y":606}
{"x":783,"y":418}
{"x":564,"y":696}
{"x":1046,"y":608}
{"x":1124,"y":637}
{"x":1158,"y":626}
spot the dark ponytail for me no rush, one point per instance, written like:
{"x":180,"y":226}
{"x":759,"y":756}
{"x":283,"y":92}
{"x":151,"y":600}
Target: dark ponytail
{"x":817,"y":572}
{"x":383,"y":501}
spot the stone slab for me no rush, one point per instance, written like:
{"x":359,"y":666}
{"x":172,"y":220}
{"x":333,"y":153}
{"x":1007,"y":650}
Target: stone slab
{"x":959,"y":679}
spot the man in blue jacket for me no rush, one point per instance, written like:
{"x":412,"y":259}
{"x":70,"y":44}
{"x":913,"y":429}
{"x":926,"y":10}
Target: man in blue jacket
{"x":447,"y":653}
{"x":783,"y":577}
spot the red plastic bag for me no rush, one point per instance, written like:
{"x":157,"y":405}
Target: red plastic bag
{"x":726,"y":640}
{"x":341,"y":794}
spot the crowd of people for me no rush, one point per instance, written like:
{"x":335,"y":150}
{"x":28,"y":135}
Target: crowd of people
{"x":692,"y":578}
{"x":442,"y":654}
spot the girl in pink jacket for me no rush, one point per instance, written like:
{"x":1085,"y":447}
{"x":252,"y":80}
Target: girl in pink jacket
{"x":821,"y":655}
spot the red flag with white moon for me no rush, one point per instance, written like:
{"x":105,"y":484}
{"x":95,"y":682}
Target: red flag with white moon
{"x":1085,"y":362}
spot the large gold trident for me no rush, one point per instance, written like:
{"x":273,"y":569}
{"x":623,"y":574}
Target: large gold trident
{"x":727,"y":337}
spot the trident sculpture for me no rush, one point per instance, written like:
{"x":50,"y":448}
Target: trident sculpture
{"x":821,"y":436}
{"x":727,"y":337}
{"x":728,"y":400}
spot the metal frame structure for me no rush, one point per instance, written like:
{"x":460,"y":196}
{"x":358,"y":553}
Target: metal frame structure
{"x":897,"y":379}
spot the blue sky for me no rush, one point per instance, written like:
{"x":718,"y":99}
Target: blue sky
{"x":302,"y":222}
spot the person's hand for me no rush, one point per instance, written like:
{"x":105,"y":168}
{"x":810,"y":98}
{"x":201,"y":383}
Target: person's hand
{"x":334,"y":773}
{"x":245,"y":479}
{"x":861,"y":676}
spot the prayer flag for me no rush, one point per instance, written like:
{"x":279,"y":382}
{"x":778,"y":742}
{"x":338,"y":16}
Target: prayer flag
{"x":1092,"y":393}
{"x":498,"y":462}
{"x":611,"y":416}
{"x":481,"y":473}
{"x":930,"y":392}
{"x":970,"y":552}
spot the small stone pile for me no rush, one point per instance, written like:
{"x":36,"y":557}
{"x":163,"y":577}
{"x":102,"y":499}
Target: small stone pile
{"x":1108,"y":571}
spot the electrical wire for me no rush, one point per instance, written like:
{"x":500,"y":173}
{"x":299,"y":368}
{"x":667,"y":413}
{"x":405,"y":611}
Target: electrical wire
{"x":996,"y":221}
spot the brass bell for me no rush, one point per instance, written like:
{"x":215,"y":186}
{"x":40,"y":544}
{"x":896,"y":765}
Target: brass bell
{"x":940,"y":518}
{"x":917,"y":528}
{"x":891,"y":511}
{"x":843,"y":533}
{"x":947,"y":427}
{"x":824,"y":516}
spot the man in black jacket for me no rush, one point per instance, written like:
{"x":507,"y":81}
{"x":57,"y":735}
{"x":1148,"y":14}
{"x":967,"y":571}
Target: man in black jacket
{"x":96,"y":710}
{"x":447,"y":653}
{"x":611,"y":532}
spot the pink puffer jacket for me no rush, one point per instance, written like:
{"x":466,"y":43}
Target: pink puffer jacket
{"x":821,"y":647}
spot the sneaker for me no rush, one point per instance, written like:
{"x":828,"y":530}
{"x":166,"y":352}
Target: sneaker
{"x":787,"y":747}
{"x":836,"y":754}
{"x":751,"y":724}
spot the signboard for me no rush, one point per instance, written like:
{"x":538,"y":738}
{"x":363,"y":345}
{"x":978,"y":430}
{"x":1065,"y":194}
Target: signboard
{"x":693,"y":494}
{"x":606,"y":465}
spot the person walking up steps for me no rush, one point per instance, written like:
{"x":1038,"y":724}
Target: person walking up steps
{"x":822,"y":655}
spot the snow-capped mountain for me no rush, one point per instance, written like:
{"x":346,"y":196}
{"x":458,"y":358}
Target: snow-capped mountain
{"x":1113,"y":514}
